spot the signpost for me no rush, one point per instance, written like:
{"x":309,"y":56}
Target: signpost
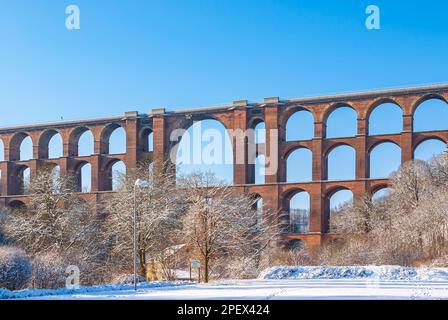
{"x":195,"y":264}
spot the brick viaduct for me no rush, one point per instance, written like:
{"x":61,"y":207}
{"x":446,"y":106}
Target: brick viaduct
{"x":241,"y":115}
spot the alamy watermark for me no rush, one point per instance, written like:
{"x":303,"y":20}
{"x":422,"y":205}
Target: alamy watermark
{"x":73,"y":20}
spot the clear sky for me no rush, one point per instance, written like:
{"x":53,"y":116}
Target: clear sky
{"x":136,"y":55}
{"x":144,"y":54}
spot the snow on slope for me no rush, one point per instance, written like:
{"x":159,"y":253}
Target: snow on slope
{"x":356,"y":272}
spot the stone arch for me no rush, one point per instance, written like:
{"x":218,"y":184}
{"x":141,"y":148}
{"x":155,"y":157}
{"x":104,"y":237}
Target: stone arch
{"x":341,"y":156}
{"x":299,"y":208}
{"x":258,"y":205}
{"x":293,"y":125}
{"x":384,"y":157}
{"x":47,"y":146}
{"x":116,"y":134}
{"x":380,"y":192}
{"x":260,"y":169}
{"x":83,"y":173}
{"x":299,"y":165}
{"x":427,"y":119}
{"x":345,"y":126}
{"x":146,"y":139}
{"x":378,"y":102}
{"x":429,"y":147}
{"x":81,"y":142}
{"x":426,"y":97}
{"x":336,"y":199}
{"x":116,"y":172}
{"x":15,"y":147}
{"x":22,"y":175}
{"x":379,"y":123}
{"x":259,"y":132}
{"x":16,"y":204}
{"x":212,"y":151}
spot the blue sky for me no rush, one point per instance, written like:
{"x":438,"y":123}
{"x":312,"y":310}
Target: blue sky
{"x":136,"y":55}
{"x":144,"y":54}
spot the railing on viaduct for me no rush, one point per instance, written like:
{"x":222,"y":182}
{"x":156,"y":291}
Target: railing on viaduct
{"x":276,"y":192}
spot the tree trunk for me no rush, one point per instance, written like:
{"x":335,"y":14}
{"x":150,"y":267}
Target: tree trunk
{"x":206,"y":269}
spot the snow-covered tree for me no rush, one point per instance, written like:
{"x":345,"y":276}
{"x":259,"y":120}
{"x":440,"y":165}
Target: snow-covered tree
{"x":222,"y":224}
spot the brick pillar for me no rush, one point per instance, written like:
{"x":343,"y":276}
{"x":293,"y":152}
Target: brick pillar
{"x":240,"y":160}
{"x":6,"y":182}
{"x":98,"y":183}
{"x":319,"y":161}
{"x":317,"y":210}
{"x":131,"y":128}
{"x":406,"y":138}
{"x":160,"y":143}
{"x":361,"y":152}
{"x":271,"y":117}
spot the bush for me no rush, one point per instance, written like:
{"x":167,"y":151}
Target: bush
{"x":48,"y":272}
{"x":127,"y":279}
{"x":15,"y":269}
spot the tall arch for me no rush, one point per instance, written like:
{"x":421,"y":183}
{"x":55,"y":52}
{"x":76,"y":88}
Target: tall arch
{"x":2,"y":150}
{"x":381,"y":194}
{"x":117,"y":173}
{"x":429,"y":148}
{"x":84,"y":177}
{"x":342,"y":122}
{"x":205,"y":146}
{"x":336,"y":201}
{"x":55,"y":146}
{"x":21,"y":147}
{"x":113,"y":139}
{"x":341,"y":163}
{"x":22,"y":177}
{"x":300,"y":126}
{"x":260,"y":169}
{"x":299,"y":166}
{"x":384,"y":158}
{"x":147,"y":140}
{"x":386,"y":118}
{"x":259,"y":132}
{"x":431,"y":115}
{"x":299,"y":212}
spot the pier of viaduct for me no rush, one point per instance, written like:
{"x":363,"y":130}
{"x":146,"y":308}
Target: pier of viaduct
{"x":274,"y":112}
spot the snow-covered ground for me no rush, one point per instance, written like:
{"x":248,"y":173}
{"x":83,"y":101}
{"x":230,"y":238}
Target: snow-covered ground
{"x":284,"y":283}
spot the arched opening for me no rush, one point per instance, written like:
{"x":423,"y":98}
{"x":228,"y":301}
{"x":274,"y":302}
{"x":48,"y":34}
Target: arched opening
{"x":299,"y":213}
{"x":381,"y":194}
{"x":300,"y":126}
{"x":16,"y":205}
{"x":147,"y":140}
{"x":26,"y":149}
{"x":2,"y":151}
{"x":384,"y":159}
{"x":205,"y":146}
{"x":260,"y":133}
{"x":258,"y":206}
{"x":296,"y":244}
{"x":117,"y":175}
{"x":22,"y":183}
{"x":55,"y":146}
{"x":429,"y":149}
{"x":387,"y":118}
{"x":117,"y":141}
{"x":338,"y":201}
{"x":342,"y":122}
{"x":260,"y":169}
{"x":299,"y":166}
{"x":431,"y":115}
{"x":85,"y":145}
{"x":56,"y":176}
{"x":84,"y":177}
{"x":341,"y":163}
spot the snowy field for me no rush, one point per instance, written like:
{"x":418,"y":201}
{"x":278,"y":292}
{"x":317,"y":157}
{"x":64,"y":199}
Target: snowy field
{"x":281,"y":283}
{"x":276,"y":289}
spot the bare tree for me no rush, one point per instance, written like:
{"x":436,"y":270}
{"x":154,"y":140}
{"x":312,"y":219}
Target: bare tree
{"x":57,"y":220}
{"x":158,"y":206}
{"x":221,"y":224}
